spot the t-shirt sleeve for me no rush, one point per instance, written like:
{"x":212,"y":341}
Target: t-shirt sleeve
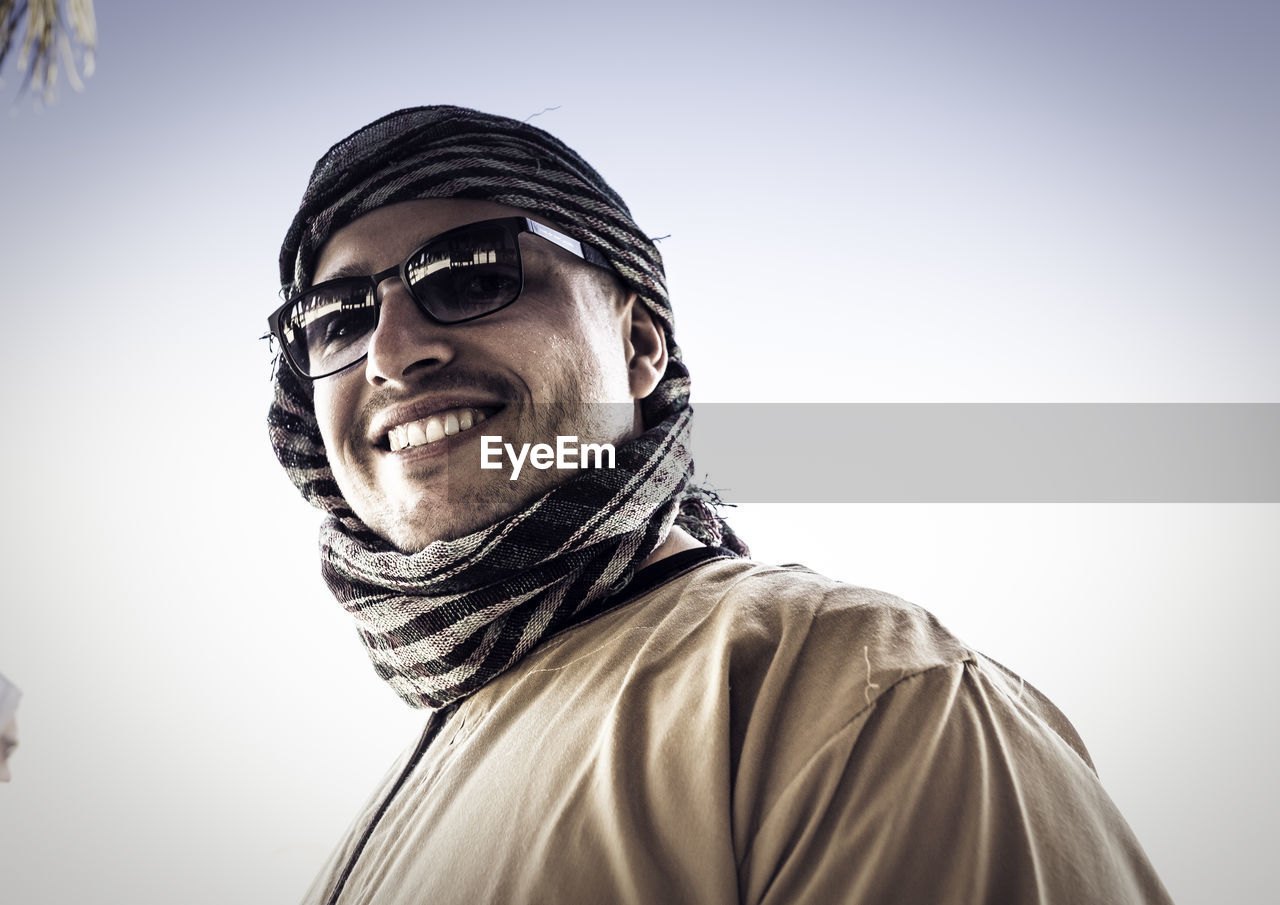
{"x":951,"y":786}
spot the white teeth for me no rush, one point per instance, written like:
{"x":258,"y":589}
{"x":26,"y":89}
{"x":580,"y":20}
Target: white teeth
{"x":436,"y":427}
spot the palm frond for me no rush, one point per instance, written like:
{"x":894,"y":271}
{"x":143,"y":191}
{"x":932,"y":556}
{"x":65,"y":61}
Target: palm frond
{"x":48,"y":29}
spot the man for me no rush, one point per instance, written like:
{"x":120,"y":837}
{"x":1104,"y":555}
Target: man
{"x":623,"y":708}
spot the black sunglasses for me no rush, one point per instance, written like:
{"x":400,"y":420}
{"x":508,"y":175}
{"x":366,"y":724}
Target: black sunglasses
{"x":460,"y":275}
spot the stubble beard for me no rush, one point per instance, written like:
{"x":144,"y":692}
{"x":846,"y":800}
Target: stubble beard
{"x":472,"y":499}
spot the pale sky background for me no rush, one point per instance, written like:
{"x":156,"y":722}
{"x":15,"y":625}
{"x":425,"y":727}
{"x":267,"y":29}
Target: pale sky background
{"x":990,"y":201}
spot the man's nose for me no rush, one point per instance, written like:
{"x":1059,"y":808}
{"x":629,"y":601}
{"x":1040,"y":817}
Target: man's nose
{"x":405,"y":343}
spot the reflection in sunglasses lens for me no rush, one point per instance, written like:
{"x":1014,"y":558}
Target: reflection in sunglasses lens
{"x":467,"y":274}
{"x":331,"y":327}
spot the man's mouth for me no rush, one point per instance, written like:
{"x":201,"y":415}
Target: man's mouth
{"x":433,"y":429}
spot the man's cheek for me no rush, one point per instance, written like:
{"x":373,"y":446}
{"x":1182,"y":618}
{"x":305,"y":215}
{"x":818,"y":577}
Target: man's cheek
{"x":329,"y":419}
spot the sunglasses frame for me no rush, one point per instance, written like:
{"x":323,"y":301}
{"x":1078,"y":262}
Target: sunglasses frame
{"x":517,"y":225}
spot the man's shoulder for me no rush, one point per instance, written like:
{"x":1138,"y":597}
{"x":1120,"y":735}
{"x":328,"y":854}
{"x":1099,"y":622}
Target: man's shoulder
{"x":827,"y":650}
{"x":791,"y":615}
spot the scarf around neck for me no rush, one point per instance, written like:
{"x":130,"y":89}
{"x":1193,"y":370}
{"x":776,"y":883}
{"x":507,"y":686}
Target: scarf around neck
{"x":440,"y":623}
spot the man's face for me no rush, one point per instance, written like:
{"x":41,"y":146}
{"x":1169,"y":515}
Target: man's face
{"x":528,"y":370}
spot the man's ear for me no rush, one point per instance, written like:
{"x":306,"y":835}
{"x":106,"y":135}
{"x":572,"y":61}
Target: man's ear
{"x":645,"y":344}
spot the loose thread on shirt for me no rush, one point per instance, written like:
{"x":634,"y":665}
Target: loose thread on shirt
{"x":866,"y":655}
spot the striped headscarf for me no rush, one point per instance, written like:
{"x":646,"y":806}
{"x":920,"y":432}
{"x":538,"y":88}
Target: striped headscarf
{"x":440,"y":623}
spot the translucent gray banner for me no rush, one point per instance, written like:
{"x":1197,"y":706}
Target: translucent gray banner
{"x":989,"y":453}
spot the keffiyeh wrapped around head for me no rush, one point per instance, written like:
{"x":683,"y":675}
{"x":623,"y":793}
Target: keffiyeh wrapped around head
{"x":440,"y":623}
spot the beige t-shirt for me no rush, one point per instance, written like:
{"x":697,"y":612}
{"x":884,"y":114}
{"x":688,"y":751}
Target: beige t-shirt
{"x":748,"y":733}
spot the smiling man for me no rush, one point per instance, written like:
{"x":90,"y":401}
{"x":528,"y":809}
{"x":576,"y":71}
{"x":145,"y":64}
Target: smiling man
{"x":573,"y":356}
{"x":621,"y":706}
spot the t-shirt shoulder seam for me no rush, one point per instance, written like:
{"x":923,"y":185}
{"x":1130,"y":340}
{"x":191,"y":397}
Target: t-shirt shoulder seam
{"x":964,"y":663}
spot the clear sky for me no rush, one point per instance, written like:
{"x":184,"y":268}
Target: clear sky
{"x":991,"y":201}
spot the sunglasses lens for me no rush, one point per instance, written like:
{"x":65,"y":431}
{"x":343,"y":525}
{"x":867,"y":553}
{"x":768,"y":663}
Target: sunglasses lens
{"x":467,"y":272}
{"x":458,"y":276}
{"x":329,"y":327}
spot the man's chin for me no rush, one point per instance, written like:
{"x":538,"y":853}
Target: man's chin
{"x":422,"y":533}
{"x":413,"y":529}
